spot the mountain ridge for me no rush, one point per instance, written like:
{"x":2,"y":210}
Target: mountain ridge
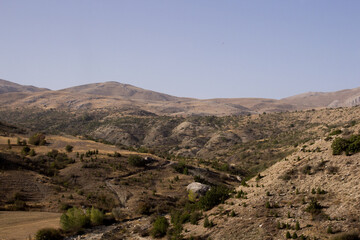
{"x":113,"y":94}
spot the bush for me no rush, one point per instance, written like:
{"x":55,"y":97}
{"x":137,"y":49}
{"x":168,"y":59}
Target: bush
{"x":48,"y":234}
{"x":181,"y":167}
{"x":335,"y":132}
{"x":195,"y":217}
{"x":314,"y":207}
{"x":69,"y":148}
{"x":32,"y":153}
{"x":25,"y":150}
{"x":339,"y":145}
{"x":213,"y":197}
{"x":160,"y":227}
{"x":96,"y":217}
{"x":73,"y":220}
{"x":349,"y":146}
{"x":207,"y":223}
{"x":136,"y":161}
{"x":37,"y":139}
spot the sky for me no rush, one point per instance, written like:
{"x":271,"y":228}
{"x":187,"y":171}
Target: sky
{"x":187,"y":48}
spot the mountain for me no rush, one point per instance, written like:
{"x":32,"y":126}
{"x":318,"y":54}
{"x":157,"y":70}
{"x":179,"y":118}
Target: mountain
{"x":7,"y":87}
{"x":133,"y":100}
{"x":115,"y":89}
{"x":343,"y":98}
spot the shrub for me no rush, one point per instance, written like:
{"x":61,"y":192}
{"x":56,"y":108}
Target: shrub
{"x":160,"y":227}
{"x":294,"y":236}
{"x":37,"y":139}
{"x":306,"y":169}
{"x":242,"y":194}
{"x":73,"y":220}
{"x":289,"y":175}
{"x":314,"y":207}
{"x":213,"y":197}
{"x":181,"y":167}
{"x":350,"y":146}
{"x":32,"y":153}
{"x":96,"y":216}
{"x":136,"y":161}
{"x":48,"y":234}
{"x":116,"y":154}
{"x":339,"y":145}
{"x":207,"y":223}
{"x":25,"y":150}
{"x":69,"y":148}
{"x":195,"y":217}
{"x":335,"y":132}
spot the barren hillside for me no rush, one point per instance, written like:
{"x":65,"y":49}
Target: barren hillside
{"x":128,"y":98}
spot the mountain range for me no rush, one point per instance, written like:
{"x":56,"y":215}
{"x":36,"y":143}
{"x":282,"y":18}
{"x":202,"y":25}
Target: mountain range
{"x":134,"y":100}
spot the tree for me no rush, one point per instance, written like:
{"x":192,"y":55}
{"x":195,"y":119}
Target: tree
{"x":32,"y":152}
{"x":96,"y":216}
{"x":160,"y":227}
{"x":136,"y":161}
{"x":25,"y":151}
{"x":37,"y":139}
{"x":47,"y":234}
{"x":69,"y":148}
{"x":73,"y":220}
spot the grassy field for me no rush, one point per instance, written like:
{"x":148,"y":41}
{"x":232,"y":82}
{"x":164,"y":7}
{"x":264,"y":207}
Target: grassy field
{"x":21,"y":225}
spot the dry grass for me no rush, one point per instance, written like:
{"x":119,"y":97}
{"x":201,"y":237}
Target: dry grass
{"x":21,"y":225}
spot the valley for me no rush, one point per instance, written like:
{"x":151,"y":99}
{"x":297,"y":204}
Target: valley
{"x":125,"y":156}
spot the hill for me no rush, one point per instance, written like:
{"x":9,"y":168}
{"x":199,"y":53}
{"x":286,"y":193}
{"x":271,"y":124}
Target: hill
{"x":343,"y":98}
{"x":7,"y":87}
{"x":115,"y":89}
{"x":311,"y":193}
{"x":291,"y":151}
{"x":132,"y":100}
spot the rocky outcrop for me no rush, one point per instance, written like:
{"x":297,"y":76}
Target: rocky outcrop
{"x":198,"y":188}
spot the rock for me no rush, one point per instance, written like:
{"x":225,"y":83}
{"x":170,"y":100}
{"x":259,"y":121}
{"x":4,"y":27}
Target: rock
{"x":198,"y":188}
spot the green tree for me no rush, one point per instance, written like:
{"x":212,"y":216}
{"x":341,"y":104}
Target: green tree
{"x":73,"y":220}
{"x":48,"y":234}
{"x":25,"y":150}
{"x":96,"y":216}
{"x":160,"y":227}
{"x":37,"y":139}
{"x":32,"y":153}
{"x":69,"y":148}
{"x":136,"y":161}
{"x":213,"y":197}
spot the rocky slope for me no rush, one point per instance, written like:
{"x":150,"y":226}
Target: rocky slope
{"x":279,"y":198}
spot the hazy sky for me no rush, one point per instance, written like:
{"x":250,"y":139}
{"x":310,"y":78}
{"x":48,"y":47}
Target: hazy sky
{"x":190,"y":48}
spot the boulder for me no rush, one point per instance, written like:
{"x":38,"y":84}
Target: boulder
{"x":198,"y":188}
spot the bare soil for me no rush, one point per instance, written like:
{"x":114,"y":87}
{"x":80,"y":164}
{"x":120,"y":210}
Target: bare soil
{"x":22,"y":225}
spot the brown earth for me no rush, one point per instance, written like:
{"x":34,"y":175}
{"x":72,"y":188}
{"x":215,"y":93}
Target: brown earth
{"x":23,"y":225}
